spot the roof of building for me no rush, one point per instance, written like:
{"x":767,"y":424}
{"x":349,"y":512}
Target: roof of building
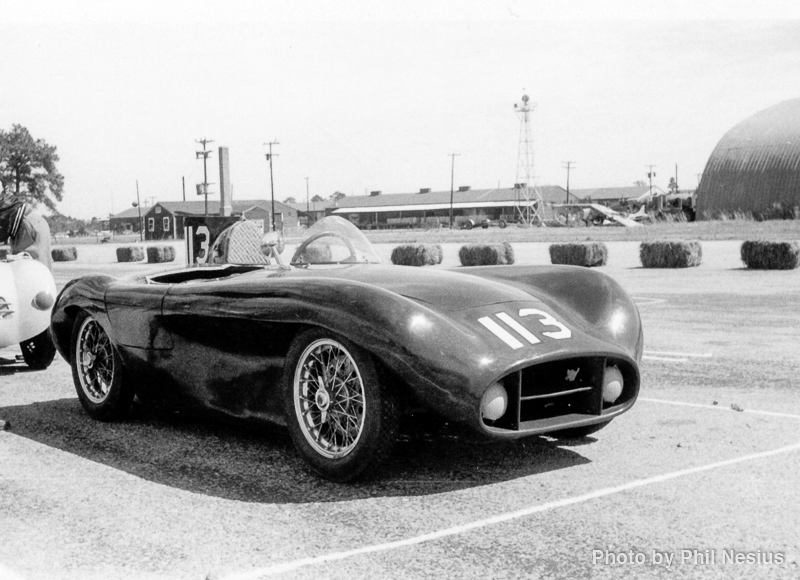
{"x":313,"y":205}
{"x":755,"y":165}
{"x":615,"y":193}
{"x":131,"y":212}
{"x":438,"y":199}
{"x":199,"y":207}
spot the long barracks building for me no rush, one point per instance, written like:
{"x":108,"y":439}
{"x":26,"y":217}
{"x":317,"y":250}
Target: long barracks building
{"x":429,"y":208}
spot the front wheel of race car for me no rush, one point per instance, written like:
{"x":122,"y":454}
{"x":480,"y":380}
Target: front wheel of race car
{"x":342,"y":421}
{"x":97,"y":371}
{"x":39,"y":351}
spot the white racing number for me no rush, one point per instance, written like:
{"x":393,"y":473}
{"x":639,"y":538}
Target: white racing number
{"x":189,"y":235}
{"x":503,"y":334}
{"x":203,"y":231}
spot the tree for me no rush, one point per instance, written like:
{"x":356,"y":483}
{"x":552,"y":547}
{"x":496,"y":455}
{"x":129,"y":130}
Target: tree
{"x":337,"y":195}
{"x":290,"y":200}
{"x":317,"y":199}
{"x":28,"y":167}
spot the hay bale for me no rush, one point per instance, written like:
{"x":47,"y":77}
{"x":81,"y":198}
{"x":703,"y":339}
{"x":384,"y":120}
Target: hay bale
{"x":670,"y":254}
{"x":130,"y":254}
{"x":417,"y":255}
{"x":486,"y":254}
{"x":158,"y":254}
{"x":761,"y":255}
{"x":64,"y":254}
{"x":586,"y":254}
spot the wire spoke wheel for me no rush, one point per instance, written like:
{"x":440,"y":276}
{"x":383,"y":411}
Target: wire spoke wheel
{"x":95,"y":361}
{"x":342,"y":417}
{"x":329,"y":398}
{"x":97,"y":371}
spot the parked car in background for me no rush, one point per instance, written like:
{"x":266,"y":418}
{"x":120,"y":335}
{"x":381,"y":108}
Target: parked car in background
{"x":481,"y":222}
{"x":27,"y":293}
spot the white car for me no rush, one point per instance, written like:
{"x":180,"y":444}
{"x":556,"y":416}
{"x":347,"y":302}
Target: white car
{"x":27,"y":293}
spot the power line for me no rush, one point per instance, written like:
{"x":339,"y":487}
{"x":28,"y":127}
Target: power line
{"x":650,"y":174}
{"x":308,"y":215}
{"x":568,"y":165}
{"x":452,"y":181}
{"x":204,"y":156}
{"x":271,"y":183}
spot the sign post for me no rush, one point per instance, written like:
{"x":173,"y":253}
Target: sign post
{"x":200,"y":232}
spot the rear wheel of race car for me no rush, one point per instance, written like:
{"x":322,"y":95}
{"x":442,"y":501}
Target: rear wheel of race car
{"x":39,"y":351}
{"x":578,"y":432}
{"x":343,"y":422}
{"x":97,"y":371}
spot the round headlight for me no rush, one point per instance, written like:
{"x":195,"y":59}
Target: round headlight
{"x":43,"y":300}
{"x":612,"y":384}
{"x":494,"y":402}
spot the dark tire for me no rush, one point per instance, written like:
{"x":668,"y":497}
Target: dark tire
{"x":97,"y":371}
{"x":578,"y":432}
{"x":39,"y":351}
{"x":502,"y":224}
{"x":342,"y":421}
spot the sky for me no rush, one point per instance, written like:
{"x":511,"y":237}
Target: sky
{"x":375,"y":95}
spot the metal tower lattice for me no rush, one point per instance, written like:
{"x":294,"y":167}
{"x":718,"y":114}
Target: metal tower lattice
{"x":529,"y":196}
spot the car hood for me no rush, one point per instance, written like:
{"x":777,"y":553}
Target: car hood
{"x":441,"y":289}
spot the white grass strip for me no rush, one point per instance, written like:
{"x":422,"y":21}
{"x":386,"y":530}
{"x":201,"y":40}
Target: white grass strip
{"x":689,"y":354}
{"x":669,"y":359}
{"x":719,"y":408}
{"x":464,"y":528}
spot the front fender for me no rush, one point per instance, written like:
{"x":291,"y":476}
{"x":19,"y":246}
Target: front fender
{"x":600,"y":301}
{"x":87,"y":293}
{"x":21,"y":282}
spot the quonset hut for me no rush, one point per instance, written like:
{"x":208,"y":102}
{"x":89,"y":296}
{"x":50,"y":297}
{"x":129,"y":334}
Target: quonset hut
{"x":755,"y":167}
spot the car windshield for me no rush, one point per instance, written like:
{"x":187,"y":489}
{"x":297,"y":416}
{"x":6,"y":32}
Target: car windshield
{"x":334,"y":240}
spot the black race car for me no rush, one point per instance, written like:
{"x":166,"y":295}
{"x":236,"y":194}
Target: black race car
{"x":337,"y":346}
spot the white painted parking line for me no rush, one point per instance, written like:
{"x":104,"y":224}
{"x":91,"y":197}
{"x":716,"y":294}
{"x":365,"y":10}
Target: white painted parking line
{"x":681,"y":354}
{"x":668,"y":359}
{"x":642,"y":300}
{"x":464,"y":528}
{"x":718,"y":408}
{"x":7,"y":574}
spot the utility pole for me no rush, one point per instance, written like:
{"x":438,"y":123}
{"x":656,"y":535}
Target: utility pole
{"x":650,"y":175}
{"x":204,"y":155}
{"x":568,"y":165}
{"x":308,"y":215}
{"x":139,"y":206}
{"x":183,"y":181}
{"x":452,"y":181}
{"x":271,"y":183}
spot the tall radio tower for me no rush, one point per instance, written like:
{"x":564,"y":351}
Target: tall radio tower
{"x":529,"y":197}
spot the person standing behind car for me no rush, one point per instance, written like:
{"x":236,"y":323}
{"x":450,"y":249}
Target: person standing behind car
{"x":25,"y":228}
